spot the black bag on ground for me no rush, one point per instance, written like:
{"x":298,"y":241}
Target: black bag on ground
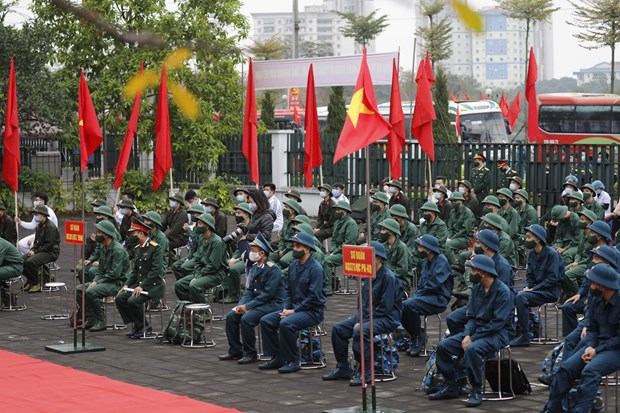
{"x":520,"y":383}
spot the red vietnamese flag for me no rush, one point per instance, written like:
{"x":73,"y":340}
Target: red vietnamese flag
{"x":90,"y":132}
{"x":515,"y":109}
{"x":396,"y":138}
{"x":132,"y":130}
{"x":428,"y":67}
{"x":11,"y":161}
{"x":249,"y":144}
{"x":313,"y":156}
{"x":424,"y":114}
{"x":296,"y":117}
{"x":163,"y":152}
{"x":503,"y":105}
{"x":457,"y":120}
{"x":530,"y":96}
{"x":363,"y":124}
{"x":467,"y":97}
{"x":480,"y":96}
{"x":452,"y":97}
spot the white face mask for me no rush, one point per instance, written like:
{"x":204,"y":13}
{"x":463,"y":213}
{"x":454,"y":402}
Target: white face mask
{"x":252,"y":206}
{"x":512,"y":187}
{"x":37,"y":218}
{"x":208,"y":209}
{"x":267,"y":194}
{"x":240,"y":198}
{"x":437,"y":196}
{"x":323,"y":194}
{"x":385,"y":188}
{"x":173,"y":204}
{"x":254,"y":256}
{"x":462,"y":189}
{"x":391,"y":189}
{"x":36,"y":203}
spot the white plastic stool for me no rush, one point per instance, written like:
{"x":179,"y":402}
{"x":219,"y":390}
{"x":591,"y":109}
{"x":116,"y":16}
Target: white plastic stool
{"x":15,"y":291}
{"x":58,"y":287}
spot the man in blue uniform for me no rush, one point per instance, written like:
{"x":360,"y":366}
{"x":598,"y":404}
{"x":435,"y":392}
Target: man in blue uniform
{"x":304,"y":307}
{"x":433,"y":292}
{"x":544,"y":274}
{"x":386,"y":310}
{"x":264,"y":294}
{"x":598,"y":353}
{"x":489,"y":312}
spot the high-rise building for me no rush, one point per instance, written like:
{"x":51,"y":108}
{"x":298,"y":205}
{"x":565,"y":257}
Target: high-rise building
{"x":316,"y":23}
{"x":495,"y":57}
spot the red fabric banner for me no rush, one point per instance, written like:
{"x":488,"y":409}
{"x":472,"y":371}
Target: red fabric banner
{"x":249,"y":144}
{"x":11,"y":162}
{"x":530,"y":96}
{"x":424,"y":114}
{"x":90,"y":132}
{"x":313,"y":156}
{"x":396,"y":138}
{"x":163,"y":151}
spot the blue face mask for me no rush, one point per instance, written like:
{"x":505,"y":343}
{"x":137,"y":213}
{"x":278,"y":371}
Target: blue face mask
{"x":208,"y":209}
{"x":240,"y":198}
{"x":391,"y":189}
{"x":437,"y":196}
{"x":336,"y":193}
{"x":267,"y":193}
{"x":323,"y":194}
{"x":173,"y":204}
{"x":37,"y":219}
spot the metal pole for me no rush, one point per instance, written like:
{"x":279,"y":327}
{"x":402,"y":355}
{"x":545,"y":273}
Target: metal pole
{"x":362,"y":367}
{"x":295,"y":29}
{"x":371,"y":344}
{"x":75,"y":296}
{"x":84,"y":172}
{"x":171,"y":183}
{"x":14,"y":220}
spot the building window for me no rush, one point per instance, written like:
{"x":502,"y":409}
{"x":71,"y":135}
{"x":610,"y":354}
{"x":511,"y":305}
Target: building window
{"x":496,"y":71}
{"x":494,"y":22}
{"x":496,"y":47}
{"x":324,"y":29}
{"x":269,"y":29}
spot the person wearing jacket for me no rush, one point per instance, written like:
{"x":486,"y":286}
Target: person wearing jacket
{"x":7,"y":226}
{"x":45,"y":248}
{"x":172,"y":225}
{"x":345,"y":232}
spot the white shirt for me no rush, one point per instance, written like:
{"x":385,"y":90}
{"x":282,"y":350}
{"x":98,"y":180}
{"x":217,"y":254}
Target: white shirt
{"x":276,"y":206}
{"x":33,"y":224}
{"x":342,"y":197}
{"x":604,"y":198}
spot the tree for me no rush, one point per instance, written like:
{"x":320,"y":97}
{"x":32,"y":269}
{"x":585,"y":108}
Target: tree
{"x":437,"y":37}
{"x":270,"y":49}
{"x":600,"y":24}
{"x":309,"y":48}
{"x":463,"y":85}
{"x":363,"y":29}
{"x":531,"y":11}
{"x":337,"y":110}
{"x":443,"y":131}
{"x":267,"y":110}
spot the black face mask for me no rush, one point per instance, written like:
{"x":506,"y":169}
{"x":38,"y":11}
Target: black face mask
{"x":486,"y":210}
{"x":502,"y":201}
{"x":586,"y":196}
{"x":384,"y":236}
{"x":572,"y":204}
{"x":99,"y":238}
{"x":478,"y":250}
{"x":200,"y":230}
{"x":297,"y":254}
{"x":594,"y":292}
{"x":239,"y":219}
{"x":422,"y":254}
{"x":477,"y":164}
{"x":427,"y":217}
{"x":133,"y":239}
{"x":518,"y":203}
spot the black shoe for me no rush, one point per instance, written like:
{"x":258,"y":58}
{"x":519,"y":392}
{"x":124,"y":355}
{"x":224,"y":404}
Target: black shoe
{"x":357,"y":381}
{"x":416,"y":345}
{"x":341,"y":373}
{"x":290,"y":367}
{"x":520,"y":341}
{"x":132,"y":332}
{"x":248,"y":360}
{"x":228,"y":356}
{"x":272,"y":364}
{"x":450,"y":391}
{"x":141,"y":333}
{"x":474,"y":399}
{"x":545,"y":379}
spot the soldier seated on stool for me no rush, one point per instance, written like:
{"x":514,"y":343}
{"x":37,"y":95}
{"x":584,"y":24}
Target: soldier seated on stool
{"x":147,"y":276}
{"x":304,"y":307}
{"x":598,"y":353}
{"x":386,"y":310}
{"x":11,"y":266}
{"x":544,"y":274}
{"x":432,"y":294}
{"x":45,"y":248}
{"x":264,"y":294}
{"x":489,"y":312}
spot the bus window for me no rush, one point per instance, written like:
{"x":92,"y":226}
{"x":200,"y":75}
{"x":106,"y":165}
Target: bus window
{"x":557,"y":118}
{"x":615,"y":119}
{"x":593,"y":119}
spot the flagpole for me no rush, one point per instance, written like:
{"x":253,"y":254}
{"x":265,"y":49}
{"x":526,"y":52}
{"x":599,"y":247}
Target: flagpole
{"x":171,"y":183}
{"x":412,"y":81}
{"x":16,"y":224}
{"x":84,"y":172}
{"x":118,"y":196}
{"x":321,"y":175}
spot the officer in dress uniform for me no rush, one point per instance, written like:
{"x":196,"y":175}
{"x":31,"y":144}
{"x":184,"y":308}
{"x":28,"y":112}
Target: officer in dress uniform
{"x":480,"y":177}
{"x":303,"y":307}
{"x":146,"y":280}
{"x":505,"y":173}
{"x":153,"y":220}
{"x":264,"y":294}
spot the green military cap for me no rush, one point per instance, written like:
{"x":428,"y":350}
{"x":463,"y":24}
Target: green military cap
{"x":107,"y":228}
{"x":441,"y":189}
{"x":399,"y":211}
{"x":430,"y":206}
{"x":98,"y":203}
{"x":153,"y":217}
{"x":245,"y":191}
{"x":244,"y":207}
{"x":382,"y":197}
{"x":570,"y":183}
{"x":294,"y":205}
{"x":343,"y":205}
{"x":40,"y":209}
{"x":177,"y":197}
{"x":302,"y":219}
{"x":293,"y":193}
{"x":457,"y":196}
{"x":396,"y":183}
{"x":588,"y":186}
{"x":506,"y":192}
{"x":104,"y":210}
{"x":466,"y":183}
{"x":588,"y":214}
{"x":576,"y":195}
{"x":490,"y":199}
{"x":304,"y":228}
{"x":493,"y":219}
{"x":198,"y":209}
{"x":391,"y":225}
{"x":558,"y":211}
{"x":524,"y":194}
{"x":517,"y":179}
{"x":207,"y":219}
{"x":211,"y":201}
{"x":126,"y":203}
{"x":326,"y":187}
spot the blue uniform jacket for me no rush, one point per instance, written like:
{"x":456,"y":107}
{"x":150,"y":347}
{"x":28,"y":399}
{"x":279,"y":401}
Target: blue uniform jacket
{"x":604,"y":330}
{"x":489,"y":313}
{"x":436,"y":282}
{"x":545,"y":272}
{"x":504,"y":271}
{"x":265,"y":288}
{"x":387,"y":300}
{"x":305,"y":287}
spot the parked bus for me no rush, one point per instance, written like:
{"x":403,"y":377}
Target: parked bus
{"x":481,"y":121}
{"x":578,"y":118}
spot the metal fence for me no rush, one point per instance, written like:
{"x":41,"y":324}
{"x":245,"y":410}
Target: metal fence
{"x":234,"y":164}
{"x":543,"y":167}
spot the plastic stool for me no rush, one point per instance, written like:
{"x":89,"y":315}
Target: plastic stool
{"x":147,"y":310}
{"x":500,"y":395}
{"x":106,"y":303}
{"x":386,"y":371}
{"x":58,"y":287}
{"x":203,"y":310}
{"x":615,"y":384}
{"x":15,"y":290}
{"x":311,"y":363}
{"x":543,"y":337}
{"x":425,"y":327}
{"x":210,"y":295}
{"x":259,"y":346}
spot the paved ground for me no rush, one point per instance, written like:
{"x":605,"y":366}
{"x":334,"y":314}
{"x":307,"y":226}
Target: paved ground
{"x":199,"y":374}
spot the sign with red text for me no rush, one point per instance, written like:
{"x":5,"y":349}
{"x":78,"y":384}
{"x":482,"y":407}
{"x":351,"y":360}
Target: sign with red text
{"x":358,"y":261}
{"x":294,"y":98}
{"x":74,"y":232}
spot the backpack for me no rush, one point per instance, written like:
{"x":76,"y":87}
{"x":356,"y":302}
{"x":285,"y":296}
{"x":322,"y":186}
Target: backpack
{"x":520,"y":383}
{"x":304,"y":345}
{"x":175,"y":332}
{"x":551,"y":363}
{"x":385,"y":364}
{"x":433,"y":381}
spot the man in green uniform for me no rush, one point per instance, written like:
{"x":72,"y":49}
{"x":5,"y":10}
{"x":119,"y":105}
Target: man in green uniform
{"x":345,"y":232}
{"x":11,"y":266}
{"x":471,"y":201}
{"x":172,"y":225}
{"x":505,"y":173}
{"x":480,"y":177}
{"x":379,"y":205}
{"x":325,"y":218}
{"x":283,"y":255}
{"x":515,"y":183}
{"x":589,"y":201}
{"x":490,"y":204}
{"x":110,"y":275}
{"x":567,"y":232}
{"x":212,"y":207}
{"x":526,"y":212}
{"x":460,"y":227}
{"x":8,"y":231}
{"x":185,"y":266}
{"x":45,"y":248}
{"x":295,"y":196}
{"x":507,"y":247}
{"x":92,"y":248}
{"x":397,"y":253}
{"x":433,"y":225}
{"x":146,"y":280}
{"x":210,"y":270}
{"x":575,"y":202}
{"x":506,"y":211}
{"x":153,"y":220}
{"x":408,"y":232}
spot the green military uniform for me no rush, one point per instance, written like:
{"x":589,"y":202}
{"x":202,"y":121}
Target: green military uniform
{"x":460,"y":228}
{"x":172,"y":225}
{"x":567,"y":232}
{"x":595,"y":207}
{"x":11,"y":263}
{"x":574,"y":276}
{"x":210,"y":269}
{"x":408,"y":232}
{"x":437,"y":228}
{"x":295,"y":195}
{"x":507,"y":247}
{"x":527,"y":214}
{"x":398,"y":255}
{"x":509,"y":214}
{"x":232,"y":283}
{"x":378,"y":217}
{"x":345,"y":232}
{"x":284,"y":248}
{"x":480,"y":178}
{"x":185,"y":266}
{"x":325,"y":218}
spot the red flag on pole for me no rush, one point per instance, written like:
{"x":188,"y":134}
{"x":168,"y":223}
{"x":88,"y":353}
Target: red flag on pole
{"x":452,"y":97}
{"x":467,"y":97}
{"x":457,"y":120}
{"x":313,"y":156}
{"x":296,"y":117}
{"x":428,"y":67}
{"x":424,"y":114}
{"x":458,"y":95}
{"x":363,"y":124}
{"x":515,"y":109}
{"x":503,"y":105}
{"x":11,"y":160}
{"x":90,"y":132}
{"x":480,"y":97}
{"x":163,"y":152}
{"x":132,"y":130}
{"x":396,"y":138}
{"x":250,"y":123}
{"x":530,"y":96}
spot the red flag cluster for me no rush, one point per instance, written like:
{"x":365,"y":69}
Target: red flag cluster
{"x":396,"y":138}
{"x":11,"y":160}
{"x":249,"y":144}
{"x":90,"y":132}
{"x":530,"y":96}
{"x":163,"y":152}
{"x":313,"y":156}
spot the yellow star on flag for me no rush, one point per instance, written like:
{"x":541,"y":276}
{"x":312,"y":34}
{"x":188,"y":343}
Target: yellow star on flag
{"x":357,"y":107}
{"x":81,"y":123}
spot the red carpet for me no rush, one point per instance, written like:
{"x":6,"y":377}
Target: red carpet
{"x":31,"y":385}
